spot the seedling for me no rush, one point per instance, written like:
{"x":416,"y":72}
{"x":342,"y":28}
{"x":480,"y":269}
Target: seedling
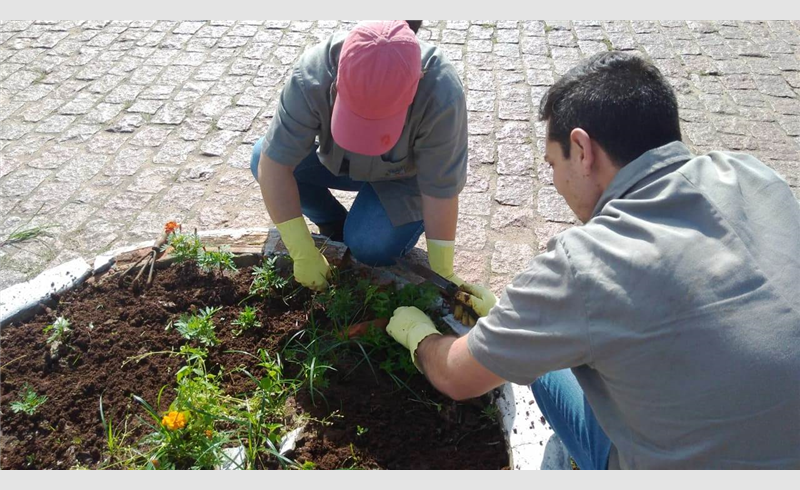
{"x":360,"y":431}
{"x":221,"y":260}
{"x":490,"y":413}
{"x":28,"y":402}
{"x":247,"y":320}
{"x":197,"y":327}
{"x":267,"y":279}
{"x":59,"y":330}
{"x":185,"y":246}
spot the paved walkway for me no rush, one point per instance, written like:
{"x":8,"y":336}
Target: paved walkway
{"x":110,"y":129}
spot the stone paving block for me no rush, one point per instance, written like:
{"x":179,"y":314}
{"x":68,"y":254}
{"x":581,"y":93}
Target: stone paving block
{"x":505,"y":218}
{"x":230,"y":86}
{"x":218,"y":142}
{"x":170,"y":114}
{"x":194,"y":128}
{"x":103,"y":113}
{"x":481,"y":149}
{"x":553,"y":207}
{"x":146,"y":106}
{"x":81,"y":168}
{"x":478,"y":204}
{"x":79,"y":132}
{"x":237,"y":119}
{"x":22,"y":181}
{"x":182,"y":197}
{"x":471,"y":233}
{"x":55,"y":124}
{"x":514,"y":190}
{"x":514,"y":159}
{"x":480,"y":123}
{"x":12,"y":130}
{"x":54,"y":158}
{"x":48,"y":198}
{"x":153,"y":180}
{"x":240,"y":158}
{"x":174,"y":152}
{"x":128,"y":161}
{"x":151,"y":136}
{"x":513,"y":132}
{"x":510,"y":258}
{"x":19,"y":80}
{"x":37,"y":112}
{"x":480,"y":100}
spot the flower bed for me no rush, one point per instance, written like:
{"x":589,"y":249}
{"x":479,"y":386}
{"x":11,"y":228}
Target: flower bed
{"x":217,"y":367}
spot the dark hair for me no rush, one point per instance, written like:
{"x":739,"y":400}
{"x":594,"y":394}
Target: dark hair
{"x":621,"y":100}
{"x":414,"y":25}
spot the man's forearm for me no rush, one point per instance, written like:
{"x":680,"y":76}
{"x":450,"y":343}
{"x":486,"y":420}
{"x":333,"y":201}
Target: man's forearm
{"x":279,"y":190}
{"x":441,"y":217}
{"x":432,"y":356}
{"x":451,"y":369}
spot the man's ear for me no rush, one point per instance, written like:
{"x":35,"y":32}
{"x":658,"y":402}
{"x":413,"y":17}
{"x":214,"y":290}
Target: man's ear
{"x":580,"y":141}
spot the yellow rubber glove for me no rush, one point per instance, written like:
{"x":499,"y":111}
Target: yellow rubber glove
{"x":311,"y":269}
{"x":481,"y":299}
{"x":409,"y":326}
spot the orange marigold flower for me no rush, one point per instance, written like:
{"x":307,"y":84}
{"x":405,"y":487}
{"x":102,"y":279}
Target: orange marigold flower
{"x":174,"y":420}
{"x":209,"y":434}
{"x":171,"y":226}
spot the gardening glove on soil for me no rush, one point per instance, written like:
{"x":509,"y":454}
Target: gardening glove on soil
{"x":311,"y":269}
{"x":440,"y":257}
{"x":409,"y":326}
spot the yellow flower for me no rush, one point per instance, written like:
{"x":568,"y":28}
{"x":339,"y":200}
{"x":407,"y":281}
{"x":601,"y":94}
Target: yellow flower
{"x":209,"y":434}
{"x":174,"y":420}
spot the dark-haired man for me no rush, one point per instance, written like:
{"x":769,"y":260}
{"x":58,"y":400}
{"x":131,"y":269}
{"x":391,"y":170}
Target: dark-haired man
{"x":381,"y":113}
{"x":665,"y":332}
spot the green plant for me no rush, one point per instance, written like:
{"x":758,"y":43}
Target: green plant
{"x":247,"y":320}
{"x":197,"y":327}
{"x":203,"y":419}
{"x":185,"y":246}
{"x":490,"y":413}
{"x":28,"y":402}
{"x":360,"y":431}
{"x":422,"y":296}
{"x":313,"y":350}
{"x":184,"y":436}
{"x":263,"y":411}
{"x":267,"y":279}
{"x":22,"y":235}
{"x":118,"y":451}
{"x":59,"y":330}
{"x":340,"y":305}
{"x":221,"y":260}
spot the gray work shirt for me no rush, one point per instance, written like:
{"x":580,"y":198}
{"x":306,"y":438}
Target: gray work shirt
{"x":677,"y":306}
{"x":429,"y":158}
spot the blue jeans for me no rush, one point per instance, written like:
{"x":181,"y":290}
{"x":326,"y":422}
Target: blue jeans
{"x":368,"y":232}
{"x":564,"y":405}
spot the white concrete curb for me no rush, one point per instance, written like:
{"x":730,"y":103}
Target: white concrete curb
{"x":20,"y":299}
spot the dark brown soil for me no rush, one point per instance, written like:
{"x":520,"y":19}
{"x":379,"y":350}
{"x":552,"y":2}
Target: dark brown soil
{"x":376,"y":425}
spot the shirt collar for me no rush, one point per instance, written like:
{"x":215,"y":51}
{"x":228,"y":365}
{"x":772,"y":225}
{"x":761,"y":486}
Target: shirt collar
{"x":648,"y":163}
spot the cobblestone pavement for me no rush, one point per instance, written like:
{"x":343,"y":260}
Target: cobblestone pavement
{"x":110,"y":129}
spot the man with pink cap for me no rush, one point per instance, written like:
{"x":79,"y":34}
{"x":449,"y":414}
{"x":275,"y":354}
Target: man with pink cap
{"x":379,"y":112}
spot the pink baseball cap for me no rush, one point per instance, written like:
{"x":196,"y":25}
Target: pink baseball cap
{"x":379,"y":69}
